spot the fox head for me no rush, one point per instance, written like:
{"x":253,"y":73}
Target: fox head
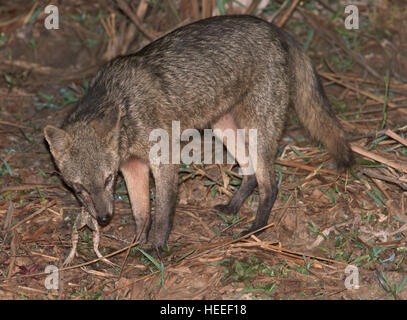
{"x":87,"y":155}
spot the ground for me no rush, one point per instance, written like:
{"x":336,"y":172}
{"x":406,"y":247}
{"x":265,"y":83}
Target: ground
{"x":323,"y":222}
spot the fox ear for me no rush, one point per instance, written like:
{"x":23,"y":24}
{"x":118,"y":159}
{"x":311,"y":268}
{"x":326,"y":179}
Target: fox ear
{"x":59,"y":140}
{"x":108,"y":126}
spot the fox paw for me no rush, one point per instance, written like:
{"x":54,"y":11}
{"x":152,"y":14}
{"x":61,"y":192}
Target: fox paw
{"x":225,"y":209}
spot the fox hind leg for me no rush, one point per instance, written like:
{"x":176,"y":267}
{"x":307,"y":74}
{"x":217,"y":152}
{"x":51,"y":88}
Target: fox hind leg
{"x":264,"y":173}
{"x":249,"y":181}
{"x":268,"y":193}
{"x":265,"y":109}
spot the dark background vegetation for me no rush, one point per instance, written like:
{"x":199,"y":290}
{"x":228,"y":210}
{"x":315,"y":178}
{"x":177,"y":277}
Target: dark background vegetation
{"x":322,"y":221}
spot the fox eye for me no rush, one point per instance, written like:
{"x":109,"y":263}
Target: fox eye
{"x":108,"y":180}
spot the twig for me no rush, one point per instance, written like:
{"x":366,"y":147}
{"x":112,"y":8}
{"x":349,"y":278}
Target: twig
{"x":79,"y":265}
{"x":223,"y":243}
{"x":135,"y":239}
{"x":370,"y":111}
{"x":356,"y":79}
{"x":305,"y":167}
{"x":206,"y":8}
{"x":142,"y":9}
{"x":44,"y":256}
{"x":28,"y":187}
{"x":38,"y":291}
{"x":385,"y":99}
{"x":252,"y":7}
{"x":9,"y":215}
{"x":377,"y":134}
{"x":290,"y":253}
{"x":287,"y":14}
{"x":35,"y":67}
{"x":28,"y":65}
{"x":202,"y":223}
{"x":286,"y":206}
{"x":13,"y":252}
{"x":322,"y":3}
{"x":379,"y":176}
{"x":133,"y":17}
{"x":28,"y":16}
{"x":11,"y":124}
{"x":396,"y":137}
{"x":48,"y":205}
{"x":378,"y":158}
{"x":365,"y":93}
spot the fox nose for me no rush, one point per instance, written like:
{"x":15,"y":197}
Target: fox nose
{"x":104,"y":220}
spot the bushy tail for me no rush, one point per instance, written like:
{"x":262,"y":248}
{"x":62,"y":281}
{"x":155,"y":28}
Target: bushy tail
{"x":313,"y":107}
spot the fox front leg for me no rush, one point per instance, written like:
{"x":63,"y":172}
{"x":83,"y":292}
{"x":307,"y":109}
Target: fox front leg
{"x":166,"y":184}
{"x":136,"y":175}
